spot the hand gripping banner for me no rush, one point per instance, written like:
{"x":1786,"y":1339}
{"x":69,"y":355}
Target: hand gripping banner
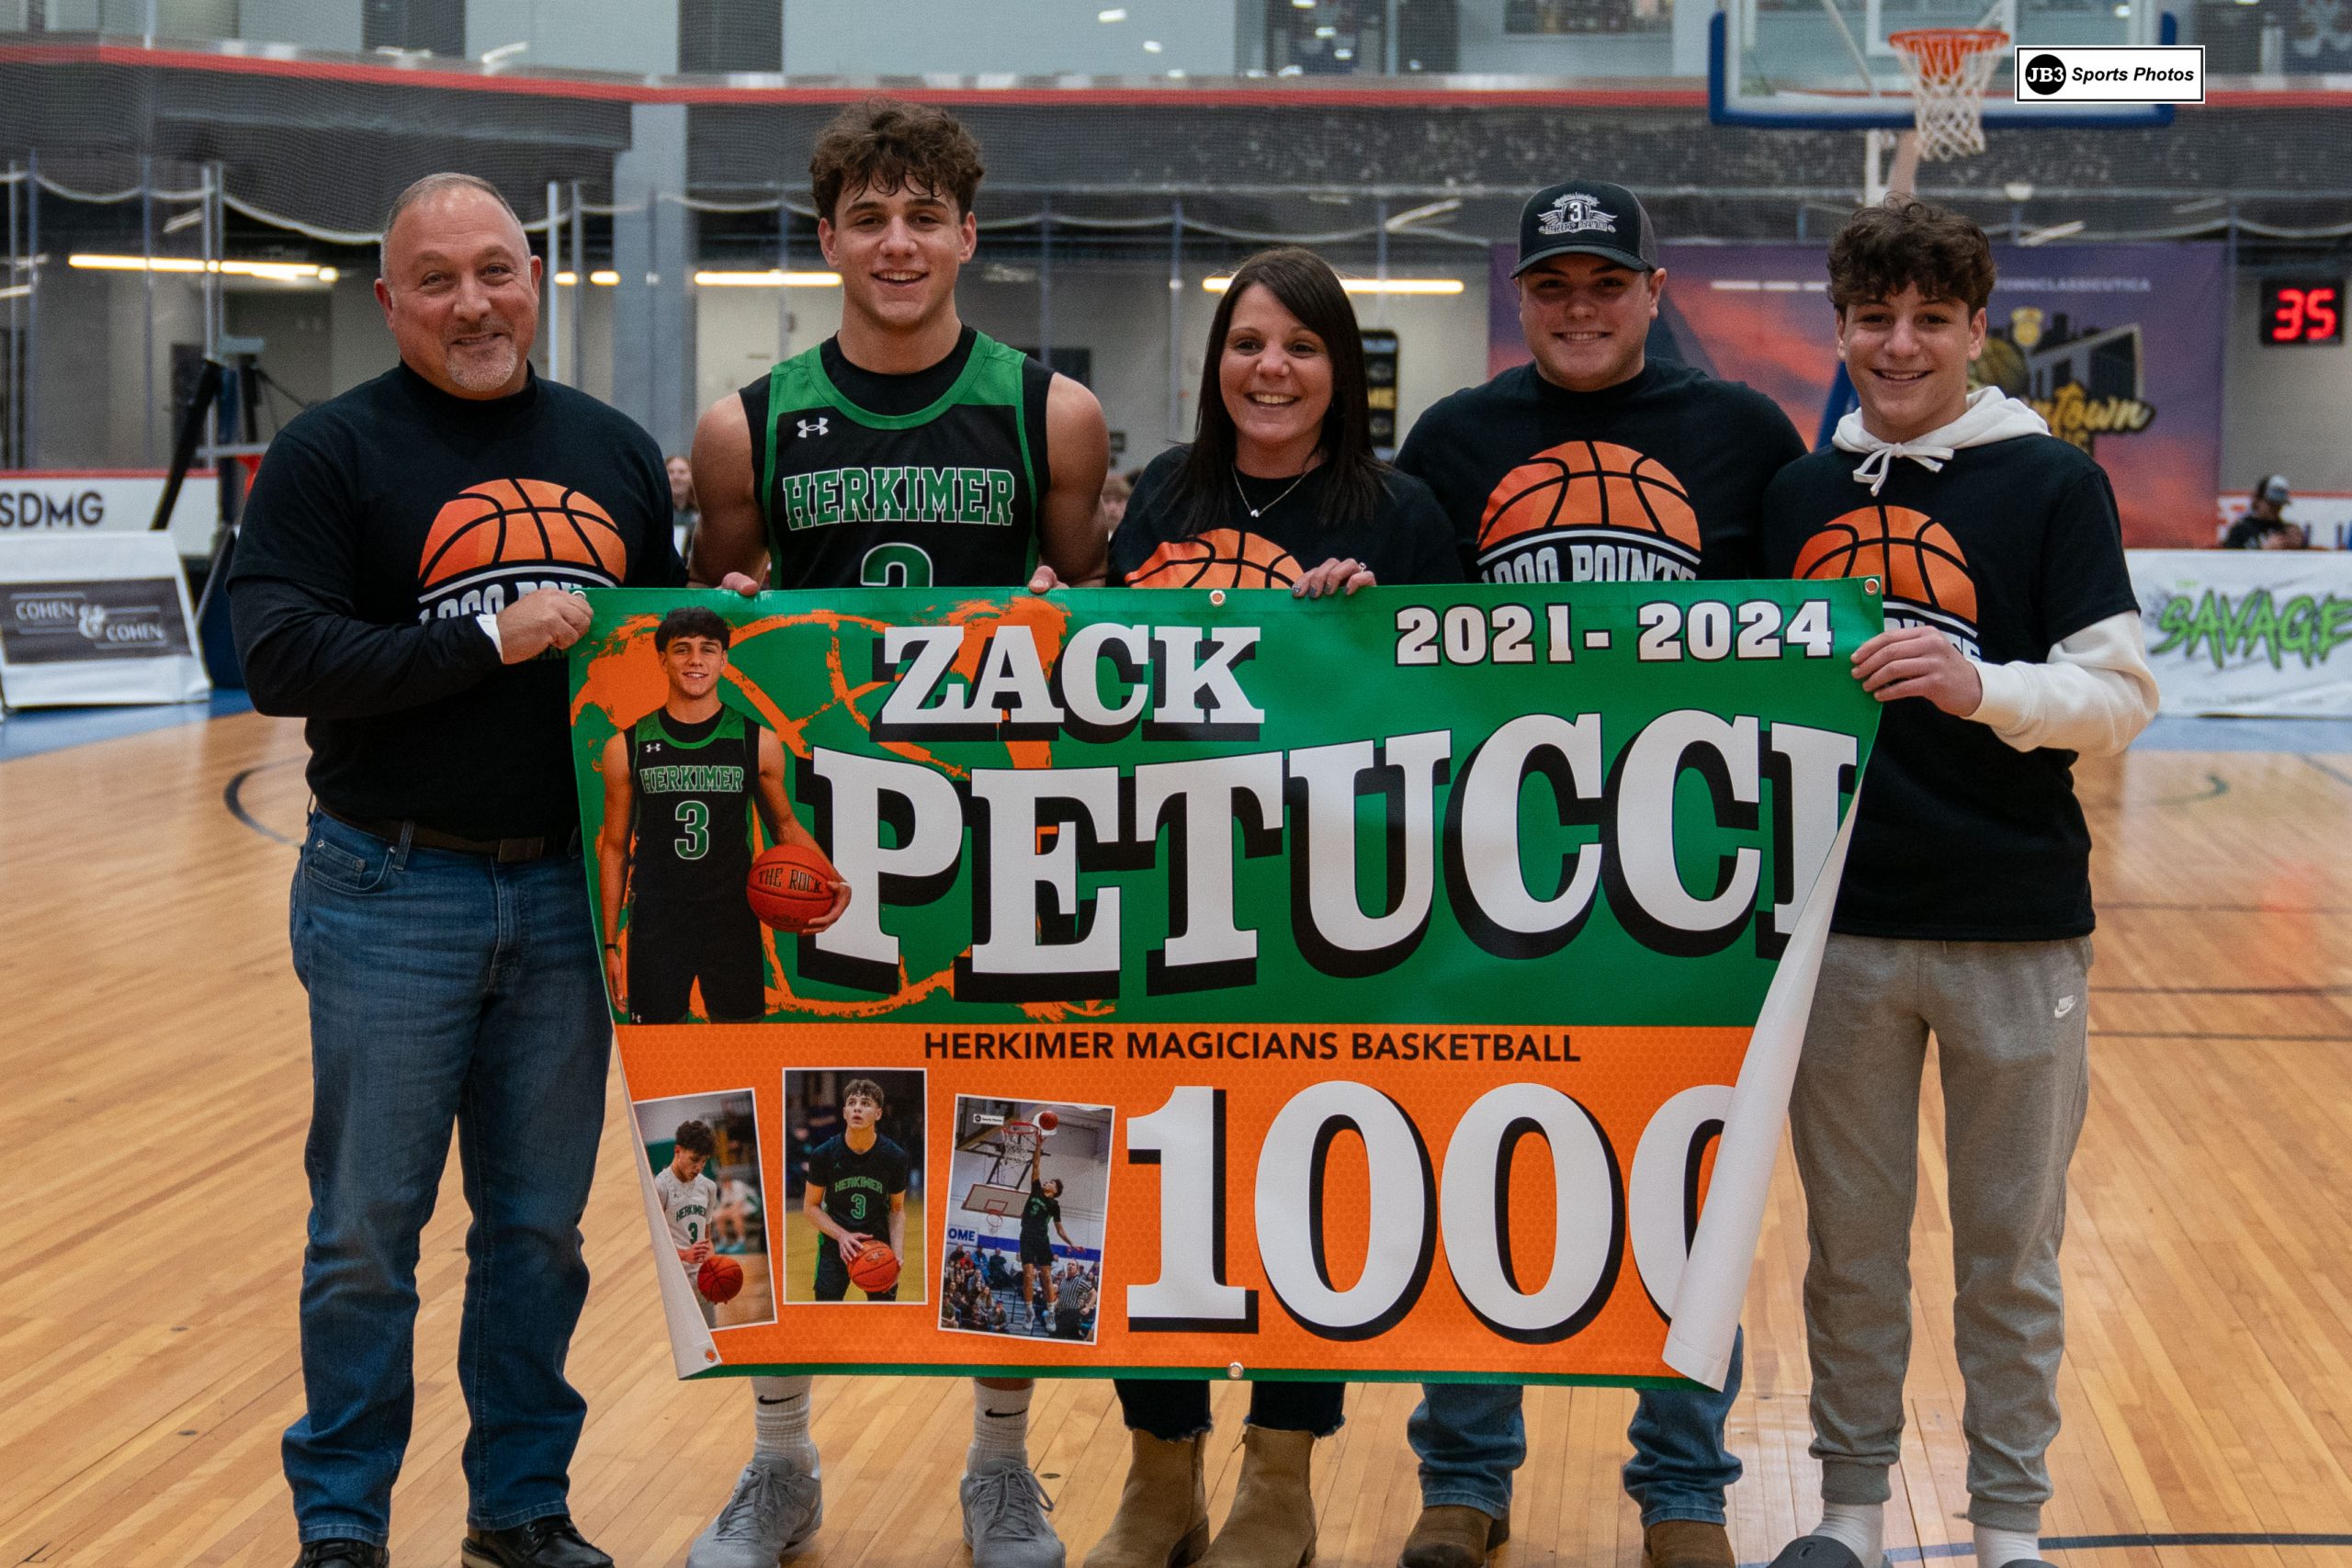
{"x":1400,"y":986}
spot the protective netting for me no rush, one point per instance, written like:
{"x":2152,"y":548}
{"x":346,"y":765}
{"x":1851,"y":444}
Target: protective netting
{"x":1105,"y":201}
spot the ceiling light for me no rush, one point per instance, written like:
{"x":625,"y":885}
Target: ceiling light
{"x":771,"y":278}
{"x":1326,"y":30}
{"x":1151,"y":46}
{"x":1116,"y":14}
{"x":2055,"y":231}
{"x":1219,"y":284}
{"x":276,"y":271}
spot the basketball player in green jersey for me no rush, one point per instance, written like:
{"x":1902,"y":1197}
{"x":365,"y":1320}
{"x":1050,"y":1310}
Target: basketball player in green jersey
{"x":680,"y":787}
{"x":907,"y":451}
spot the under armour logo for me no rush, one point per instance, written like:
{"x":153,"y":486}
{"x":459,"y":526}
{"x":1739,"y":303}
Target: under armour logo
{"x":1575,"y":213}
{"x":2065,"y":1005}
{"x":810,"y":427}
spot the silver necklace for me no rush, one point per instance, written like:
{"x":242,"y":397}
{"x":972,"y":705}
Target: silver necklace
{"x":1256,"y":512}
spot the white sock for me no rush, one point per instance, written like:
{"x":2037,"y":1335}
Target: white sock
{"x":1998,"y":1548}
{"x":999,"y":1424}
{"x":780,"y":1421}
{"x":1860,"y":1527}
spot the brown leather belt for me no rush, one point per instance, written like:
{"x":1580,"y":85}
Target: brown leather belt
{"x":506,"y":852}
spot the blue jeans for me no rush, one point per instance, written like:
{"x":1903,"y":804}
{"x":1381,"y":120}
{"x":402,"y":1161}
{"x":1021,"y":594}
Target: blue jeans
{"x":1470,"y":1437}
{"x":446,"y":989}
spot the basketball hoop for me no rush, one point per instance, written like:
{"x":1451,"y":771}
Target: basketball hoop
{"x":1950,"y":70}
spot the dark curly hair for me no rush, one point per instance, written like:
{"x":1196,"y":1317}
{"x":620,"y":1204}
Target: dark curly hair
{"x":692,"y":620}
{"x":1905,"y":243}
{"x":696,"y":1138}
{"x":886,"y":145}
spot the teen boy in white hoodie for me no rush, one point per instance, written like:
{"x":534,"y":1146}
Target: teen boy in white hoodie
{"x":2013,"y":644}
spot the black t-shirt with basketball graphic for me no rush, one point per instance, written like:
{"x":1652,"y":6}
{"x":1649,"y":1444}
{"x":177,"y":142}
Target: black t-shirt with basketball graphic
{"x":2012,"y":548}
{"x":691,"y":842}
{"x":1657,"y":477}
{"x":858,"y":1187}
{"x":382,"y":524}
{"x":937,"y":478}
{"x":1406,"y":540}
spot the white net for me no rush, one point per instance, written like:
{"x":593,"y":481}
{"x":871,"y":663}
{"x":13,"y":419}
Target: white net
{"x":1950,"y":69}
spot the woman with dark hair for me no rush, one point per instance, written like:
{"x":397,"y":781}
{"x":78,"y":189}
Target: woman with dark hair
{"x":1278,"y":489}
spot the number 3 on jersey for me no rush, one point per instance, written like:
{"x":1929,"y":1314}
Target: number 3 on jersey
{"x":694,"y":818}
{"x":895,"y":566}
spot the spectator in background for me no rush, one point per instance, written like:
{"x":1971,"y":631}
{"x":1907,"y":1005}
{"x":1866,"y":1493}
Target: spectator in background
{"x":686,"y":516}
{"x":2262,"y":527}
{"x":1112,"y":507}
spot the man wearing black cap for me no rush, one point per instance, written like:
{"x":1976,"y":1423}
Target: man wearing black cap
{"x":2262,"y":527}
{"x":1593,"y":463}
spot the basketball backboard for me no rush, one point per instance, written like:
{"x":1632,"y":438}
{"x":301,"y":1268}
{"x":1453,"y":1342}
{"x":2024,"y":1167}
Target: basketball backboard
{"x":1826,"y":64}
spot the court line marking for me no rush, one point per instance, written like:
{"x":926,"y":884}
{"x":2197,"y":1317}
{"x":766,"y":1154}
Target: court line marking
{"x":2339,"y":776}
{"x":233,"y":797}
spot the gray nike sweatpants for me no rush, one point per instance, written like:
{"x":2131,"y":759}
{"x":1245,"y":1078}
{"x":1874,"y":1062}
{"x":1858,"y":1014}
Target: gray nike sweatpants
{"x":2009,"y":1021}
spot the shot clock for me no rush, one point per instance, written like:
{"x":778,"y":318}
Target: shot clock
{"x":2303,"y":310}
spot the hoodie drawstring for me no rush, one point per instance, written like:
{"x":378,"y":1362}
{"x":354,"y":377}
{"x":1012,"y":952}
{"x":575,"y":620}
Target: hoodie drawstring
{"x":1872,"y":471}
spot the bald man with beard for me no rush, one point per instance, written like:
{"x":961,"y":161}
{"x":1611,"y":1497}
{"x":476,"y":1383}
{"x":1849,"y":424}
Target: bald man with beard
{"x":408,"y":575}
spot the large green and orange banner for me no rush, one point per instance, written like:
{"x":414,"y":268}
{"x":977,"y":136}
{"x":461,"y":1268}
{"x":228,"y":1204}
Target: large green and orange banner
{"x":1393,"y":986}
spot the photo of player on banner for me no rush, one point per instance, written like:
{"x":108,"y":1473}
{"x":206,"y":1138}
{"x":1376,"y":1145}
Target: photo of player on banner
{"x":855,"y":1229}
{"x":688,"y":788}
{"x":1025,"y":1244}
{"x":703,"y":1151}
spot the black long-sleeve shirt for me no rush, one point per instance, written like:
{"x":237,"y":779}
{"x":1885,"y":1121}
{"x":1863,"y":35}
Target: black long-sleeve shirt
{"x":382,"y":526}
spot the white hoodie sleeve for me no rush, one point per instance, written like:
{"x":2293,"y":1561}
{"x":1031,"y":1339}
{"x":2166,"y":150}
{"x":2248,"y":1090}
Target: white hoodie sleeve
{"x":2094,"y":695}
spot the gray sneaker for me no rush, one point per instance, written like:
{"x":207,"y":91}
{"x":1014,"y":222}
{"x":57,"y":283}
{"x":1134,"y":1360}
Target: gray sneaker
{"x":1004,"y":1519}
{"x":775,"y":1507}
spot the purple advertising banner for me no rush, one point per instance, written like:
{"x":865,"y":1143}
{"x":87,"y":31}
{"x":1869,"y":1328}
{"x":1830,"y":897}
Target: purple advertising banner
{"x":2119,"y":347}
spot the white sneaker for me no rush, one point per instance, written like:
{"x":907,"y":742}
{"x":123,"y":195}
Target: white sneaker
{"x":776,"y":1505}
{"x":1004,"y":1519}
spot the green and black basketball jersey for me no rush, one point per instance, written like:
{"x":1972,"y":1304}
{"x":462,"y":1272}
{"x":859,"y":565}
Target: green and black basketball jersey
{"x":693,"y":806}
{"x":859,"y":1187}
{"x":1037,"y":1213}
{"x":936,"y":477}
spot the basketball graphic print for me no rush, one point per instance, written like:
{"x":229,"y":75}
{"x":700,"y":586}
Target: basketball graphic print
{"x":1924,"y":573}
{"x":497,"y":541}
{"x":1222,"y":558}
{"x":1588,"y":511}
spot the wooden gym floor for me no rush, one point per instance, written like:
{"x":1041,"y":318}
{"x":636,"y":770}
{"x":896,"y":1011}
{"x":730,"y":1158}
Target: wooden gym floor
{"x":157,"y":1073}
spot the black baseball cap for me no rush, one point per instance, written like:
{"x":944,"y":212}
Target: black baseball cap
{"x":1586,"y":218}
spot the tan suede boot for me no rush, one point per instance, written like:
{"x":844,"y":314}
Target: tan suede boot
{"x":1163,"y":1517}
{"x":1272,"y":1521}
{"x":1449,"y":1535}
{"x":1686,"y":1543}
